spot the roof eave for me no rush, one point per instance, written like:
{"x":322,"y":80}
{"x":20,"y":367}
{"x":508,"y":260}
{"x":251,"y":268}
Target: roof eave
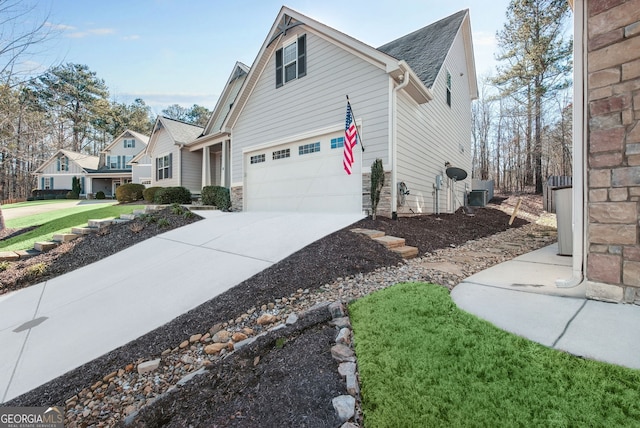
{"x":415,"y":88}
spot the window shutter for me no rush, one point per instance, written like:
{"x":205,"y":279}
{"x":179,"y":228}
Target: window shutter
{"x":157,"y":169}
{"x":42,"y":182}
{"x":82,"y":185}
{"x":124,"y":143}
{"x":279,"y":68}
{"x":170,"y":165}
{"x":302,"y":56}
{"x":108,"y":162}
{"x":133,"y":143}
{"x":51,"y":183}
{"x":57,"y":164}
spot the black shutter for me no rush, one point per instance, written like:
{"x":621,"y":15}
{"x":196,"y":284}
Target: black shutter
{"x":170,"y":165}
{"x":302,"y":56}
{"x":157,"y":169}
{"x":278,"y":68}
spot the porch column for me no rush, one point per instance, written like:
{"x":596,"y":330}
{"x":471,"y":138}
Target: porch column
{"x":206,"y":166}
{"x":223,"y":164}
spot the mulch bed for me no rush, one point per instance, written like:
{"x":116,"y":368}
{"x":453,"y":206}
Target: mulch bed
{"x":226,"y":390}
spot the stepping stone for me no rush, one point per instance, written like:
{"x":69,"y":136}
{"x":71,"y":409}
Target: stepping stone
{"x":84,"y":230}
{"x":405,"y":251}
{"x":120,"y":220}
{"x":100,"y":223}
{"x":137,"y":213}
{"x":127,"y":216}
{"x":64,"y":237}
{"x":26,"y":254}
{"x":368,"y":232}
{"x":44,"y":246}
{"x":8,"y":256}
{"x":390,"y":241}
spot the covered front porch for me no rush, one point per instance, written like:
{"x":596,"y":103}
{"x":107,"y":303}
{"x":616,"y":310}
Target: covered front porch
{"x":215,"y":152}
{"x":104,"y":183}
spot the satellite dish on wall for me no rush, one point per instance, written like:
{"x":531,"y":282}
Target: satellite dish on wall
{"x":456,"y":173}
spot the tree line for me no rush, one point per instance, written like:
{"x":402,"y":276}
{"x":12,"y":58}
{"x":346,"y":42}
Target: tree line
{"x":521,"y":123}
{"x":66,"y":107}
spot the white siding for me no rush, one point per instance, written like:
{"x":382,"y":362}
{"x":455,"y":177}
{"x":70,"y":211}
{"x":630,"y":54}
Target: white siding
{"x":52,"y":169}
{"x":316,"y":101}
{"x":163,"y":146}
{"x":434,"y":133}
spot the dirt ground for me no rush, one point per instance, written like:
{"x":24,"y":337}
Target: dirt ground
{"x":292,"y":385}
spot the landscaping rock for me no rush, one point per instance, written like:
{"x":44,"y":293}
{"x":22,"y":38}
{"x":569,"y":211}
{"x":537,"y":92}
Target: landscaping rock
{"x":344,"y":336}
{"x":214,"y":348}
{"x":336,"y":309}
{"x":238,"y":337}
{"x":345,"y":407}
{"x":346,"y":369}
{"x":265,"y":319}
{"x":343,"y":322}
{"x":352,"y":385}
{"x":148,"y":366}
{"x":222,"y":336}
{"x":291,"y":319}
{"x":342,"y":353}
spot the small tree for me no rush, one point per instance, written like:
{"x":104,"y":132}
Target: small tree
{"x":377,"y":182}
{"x":76,"y":189}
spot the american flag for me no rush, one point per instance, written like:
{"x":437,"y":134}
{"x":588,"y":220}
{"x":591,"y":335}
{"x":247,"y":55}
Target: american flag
{"x":350,"y":140}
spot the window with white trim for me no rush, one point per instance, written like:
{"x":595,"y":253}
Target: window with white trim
{"x":127,"y":159}
{"x":47,"y":183}
{"x":305,"y":149}
{"x":145,"y":181}
{"x":63,"y":163}
{"x":129,"y":143}
{"x":281,"y":154}
{"x":258,"y":158}
{"x":337,"y":143}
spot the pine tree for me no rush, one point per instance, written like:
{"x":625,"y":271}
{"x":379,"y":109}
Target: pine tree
{"x":538,"y":64}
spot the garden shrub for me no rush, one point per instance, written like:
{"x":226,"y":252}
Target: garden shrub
{"x":100,"y":195}
{"x":218,"y":196}
{"x":129,"y":192}
{"x":149,"y":193}
{"x":72,"y":195}
{"x":171,"y":195}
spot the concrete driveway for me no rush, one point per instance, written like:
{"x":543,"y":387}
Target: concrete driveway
{"x":53,"y":327}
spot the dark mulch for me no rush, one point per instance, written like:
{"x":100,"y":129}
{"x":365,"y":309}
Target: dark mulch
{"x":266,"y":384}
{"x":338,"y":255}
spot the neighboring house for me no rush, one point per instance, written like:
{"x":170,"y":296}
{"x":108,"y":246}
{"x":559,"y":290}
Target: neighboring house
{"x":606,"y":198}
{"x":171,"y":163}
{"x":96,"y":173}
{"x":411,"y":99}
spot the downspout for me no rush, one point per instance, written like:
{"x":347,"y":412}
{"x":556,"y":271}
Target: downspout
{"x":394,"y":147}
{"x":579,"y":194}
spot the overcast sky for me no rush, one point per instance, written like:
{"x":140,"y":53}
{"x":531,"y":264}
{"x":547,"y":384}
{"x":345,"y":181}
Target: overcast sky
{"x":182,"y":51}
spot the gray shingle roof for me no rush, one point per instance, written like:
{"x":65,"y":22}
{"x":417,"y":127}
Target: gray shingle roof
{"x":85,"y":161}
{"x":425,"y":49}
{"x":181,"y":132}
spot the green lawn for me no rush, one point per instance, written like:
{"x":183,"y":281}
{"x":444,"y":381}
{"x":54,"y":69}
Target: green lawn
{"x":425,"y":363}
{"x":60,"y":221}
{"x":32,"y":203}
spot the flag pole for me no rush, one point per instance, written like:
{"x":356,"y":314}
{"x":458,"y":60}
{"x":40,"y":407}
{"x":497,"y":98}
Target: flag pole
{"x":354,"y":121}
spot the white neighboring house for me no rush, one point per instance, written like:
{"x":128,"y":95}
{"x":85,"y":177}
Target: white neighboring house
{"x":411,"y":99}
{"x":103,"y":173}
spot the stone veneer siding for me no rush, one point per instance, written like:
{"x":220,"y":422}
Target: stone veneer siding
{"x":613,"y":149}
{"x":384,"y":206}
{"x":236,"y":198}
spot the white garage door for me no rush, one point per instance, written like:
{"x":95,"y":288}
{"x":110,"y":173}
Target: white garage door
{"x":305,"y":176}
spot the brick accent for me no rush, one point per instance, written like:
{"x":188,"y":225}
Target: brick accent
{"x":607,"y":140}
{"x":615,"y":16}
{"x":604,"y":78}
{"x":630,"y":176}
{"x":618,"y":213}
{"x":631,"y":70}
{"x":600,"y":178}
{"x":613,"y":55}
{"x":604,"y":268}
{"x":631,"y":253}
{"x":598,"y":6}
{"x":612,"y":234}
{"x":237,"y":198}
{"x":631,"y":273}
{"x":618,"y":195}
{"x":604,"y":160}
{"x":598,"y":195}
{"x":384,"y":206}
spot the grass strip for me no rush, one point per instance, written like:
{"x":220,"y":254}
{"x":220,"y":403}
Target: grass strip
{"x":63,"y":223}
{"x":424,"y":362}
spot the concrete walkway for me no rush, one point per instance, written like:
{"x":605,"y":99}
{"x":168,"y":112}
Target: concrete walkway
{"x":53,"y":327}
{"x":520,"y":296}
